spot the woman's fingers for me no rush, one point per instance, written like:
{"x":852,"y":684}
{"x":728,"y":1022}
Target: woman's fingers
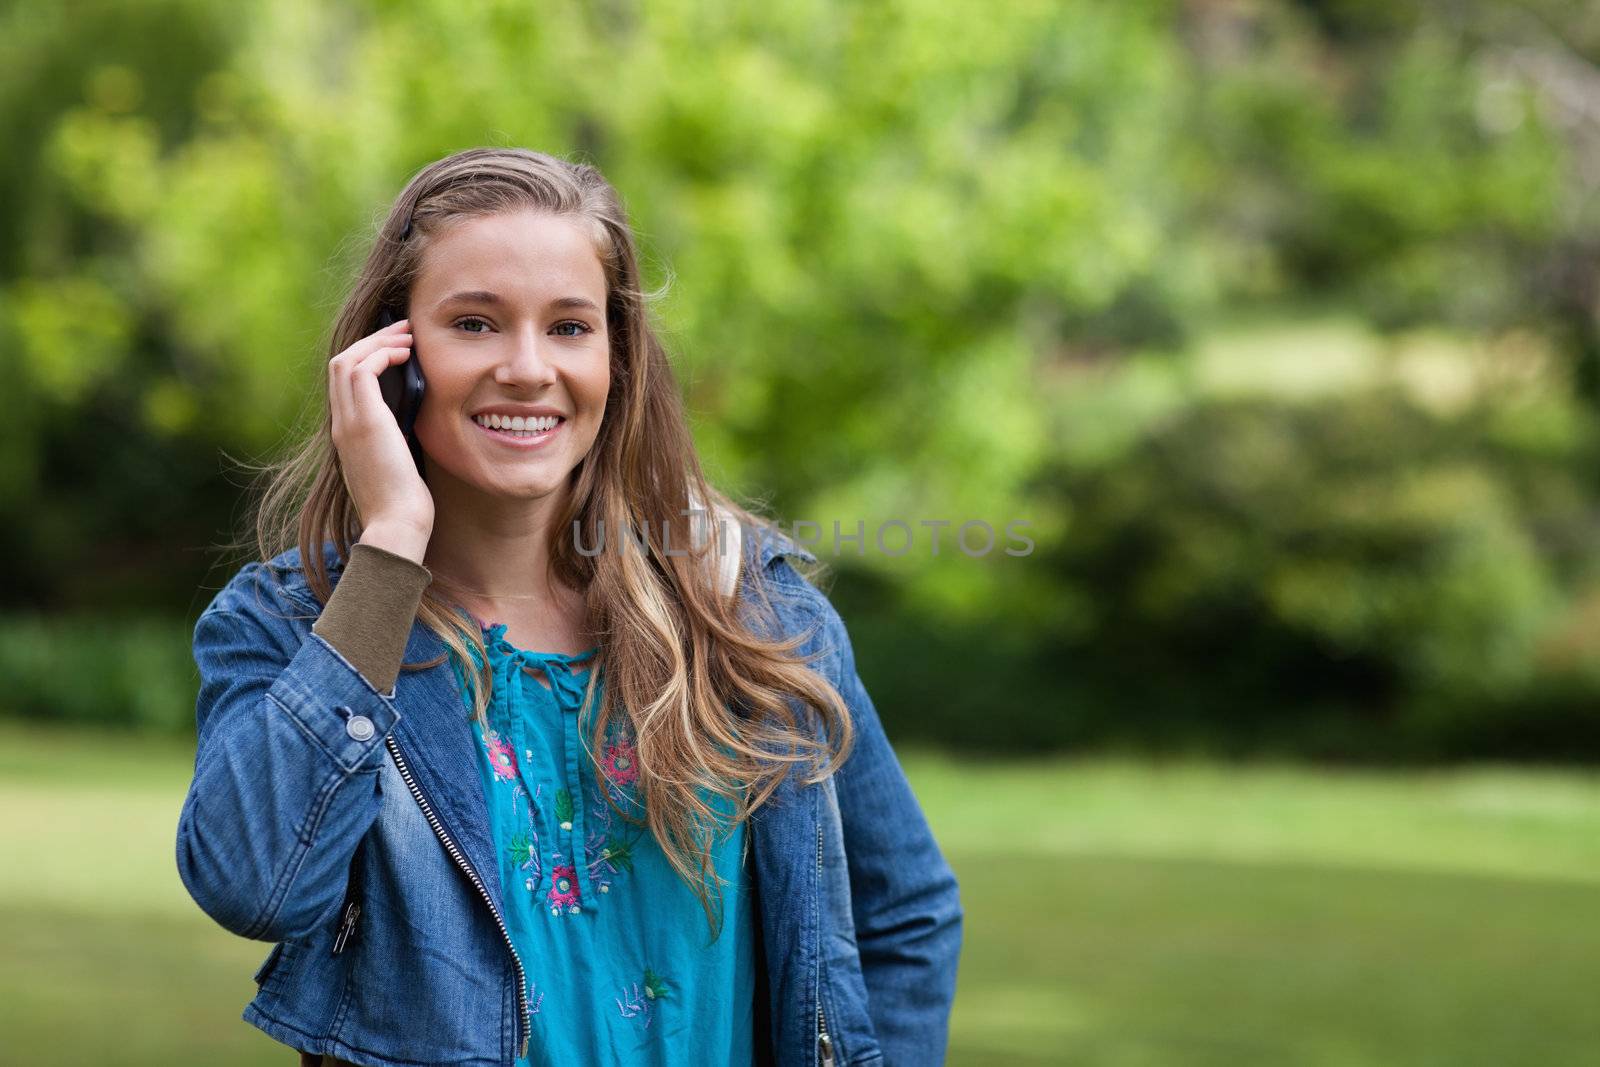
{"x":342,"y":370}
{"x":365,"y":393}
{"x":360,"y":393}
{"x":378,"y":470}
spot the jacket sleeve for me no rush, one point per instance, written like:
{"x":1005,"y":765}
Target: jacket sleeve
{"x":904,"y":894}
{"x":290,"y":742}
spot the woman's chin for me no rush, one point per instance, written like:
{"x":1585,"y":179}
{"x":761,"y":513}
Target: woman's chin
{"x":530,"y":488}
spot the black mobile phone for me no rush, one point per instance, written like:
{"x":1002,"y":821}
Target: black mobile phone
{"x":402,"y":386}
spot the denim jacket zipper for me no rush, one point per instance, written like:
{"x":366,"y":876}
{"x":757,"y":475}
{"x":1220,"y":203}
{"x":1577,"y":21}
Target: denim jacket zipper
{"x":824,"y":1042}
{"x":460,"y":859}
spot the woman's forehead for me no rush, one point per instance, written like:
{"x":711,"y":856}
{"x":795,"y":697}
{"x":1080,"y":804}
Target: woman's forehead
{"x":522,"y":257}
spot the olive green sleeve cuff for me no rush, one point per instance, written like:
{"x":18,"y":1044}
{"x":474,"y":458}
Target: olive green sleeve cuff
{"x":368,"y":616}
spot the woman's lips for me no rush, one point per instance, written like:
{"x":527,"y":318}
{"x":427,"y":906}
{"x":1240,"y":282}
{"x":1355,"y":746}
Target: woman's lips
{"x":523,"y":442}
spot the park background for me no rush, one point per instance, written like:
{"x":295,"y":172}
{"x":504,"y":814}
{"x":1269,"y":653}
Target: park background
{"x":1279,"y":322}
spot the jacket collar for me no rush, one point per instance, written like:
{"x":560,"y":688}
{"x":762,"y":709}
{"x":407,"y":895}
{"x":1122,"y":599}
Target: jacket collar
{"x":772,"y":542}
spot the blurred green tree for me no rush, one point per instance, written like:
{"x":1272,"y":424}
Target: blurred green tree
{"x":920,"y":261}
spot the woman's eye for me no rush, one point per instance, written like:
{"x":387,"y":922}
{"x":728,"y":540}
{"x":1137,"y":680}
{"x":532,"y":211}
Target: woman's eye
{"x":584,"y":327}
{"x":464,"y":322}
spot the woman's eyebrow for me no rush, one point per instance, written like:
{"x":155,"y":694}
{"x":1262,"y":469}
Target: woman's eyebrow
{"x":483,"y":296}
{"x":472,"y":296}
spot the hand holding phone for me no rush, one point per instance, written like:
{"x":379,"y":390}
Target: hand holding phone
{"x":376,"y":440}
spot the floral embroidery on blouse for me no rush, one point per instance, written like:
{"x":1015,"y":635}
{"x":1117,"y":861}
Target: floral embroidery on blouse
{"x":609,"y":841}
{"x":619,"y":762}
{"x":502,"y":757}
{"x":639,"y":1003}
{"x":564,"y":808}
{"x":563,"y":895}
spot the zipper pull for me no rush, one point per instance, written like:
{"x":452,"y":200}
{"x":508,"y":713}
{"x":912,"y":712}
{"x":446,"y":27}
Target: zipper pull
{"x":825,"y":1044}
{"x":347,"y":924}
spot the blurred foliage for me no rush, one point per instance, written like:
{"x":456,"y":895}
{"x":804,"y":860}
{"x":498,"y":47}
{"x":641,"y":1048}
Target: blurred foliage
{"x":98,"y":670}
{"x":1279,"y":321}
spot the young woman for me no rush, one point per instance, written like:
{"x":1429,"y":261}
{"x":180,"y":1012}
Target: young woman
{"x":515,"y":756}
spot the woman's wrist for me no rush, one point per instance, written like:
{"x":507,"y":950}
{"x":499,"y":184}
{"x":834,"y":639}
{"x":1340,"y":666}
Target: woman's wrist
{"x":401,"y":538}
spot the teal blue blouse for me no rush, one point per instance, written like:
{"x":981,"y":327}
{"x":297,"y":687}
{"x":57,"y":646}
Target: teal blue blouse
{"x":614,"y":943}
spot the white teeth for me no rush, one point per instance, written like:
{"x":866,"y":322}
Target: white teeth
{"x":519,"y":424}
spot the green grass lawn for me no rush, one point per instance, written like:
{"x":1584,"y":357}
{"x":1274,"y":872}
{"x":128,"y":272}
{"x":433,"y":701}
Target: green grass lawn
{"x":1118,"y":913}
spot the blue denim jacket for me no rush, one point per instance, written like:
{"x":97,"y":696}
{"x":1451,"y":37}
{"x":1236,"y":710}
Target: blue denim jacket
{"x":396,"y":952}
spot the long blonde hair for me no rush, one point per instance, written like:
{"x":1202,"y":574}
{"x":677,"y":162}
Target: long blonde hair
{"x":677,"y":657}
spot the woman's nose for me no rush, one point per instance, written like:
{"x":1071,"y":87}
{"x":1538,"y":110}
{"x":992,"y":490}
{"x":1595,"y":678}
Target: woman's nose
{"x":526,"y":361}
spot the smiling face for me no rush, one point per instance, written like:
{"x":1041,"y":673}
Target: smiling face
{"x":508,"y":315}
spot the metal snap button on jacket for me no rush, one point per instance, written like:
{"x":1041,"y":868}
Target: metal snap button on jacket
{"x":359,"y":727}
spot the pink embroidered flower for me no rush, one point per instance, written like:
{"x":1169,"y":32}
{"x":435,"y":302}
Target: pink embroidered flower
{"x":563,"y":889}
{"x":502,"y":757}
{"x":620,"y":763}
